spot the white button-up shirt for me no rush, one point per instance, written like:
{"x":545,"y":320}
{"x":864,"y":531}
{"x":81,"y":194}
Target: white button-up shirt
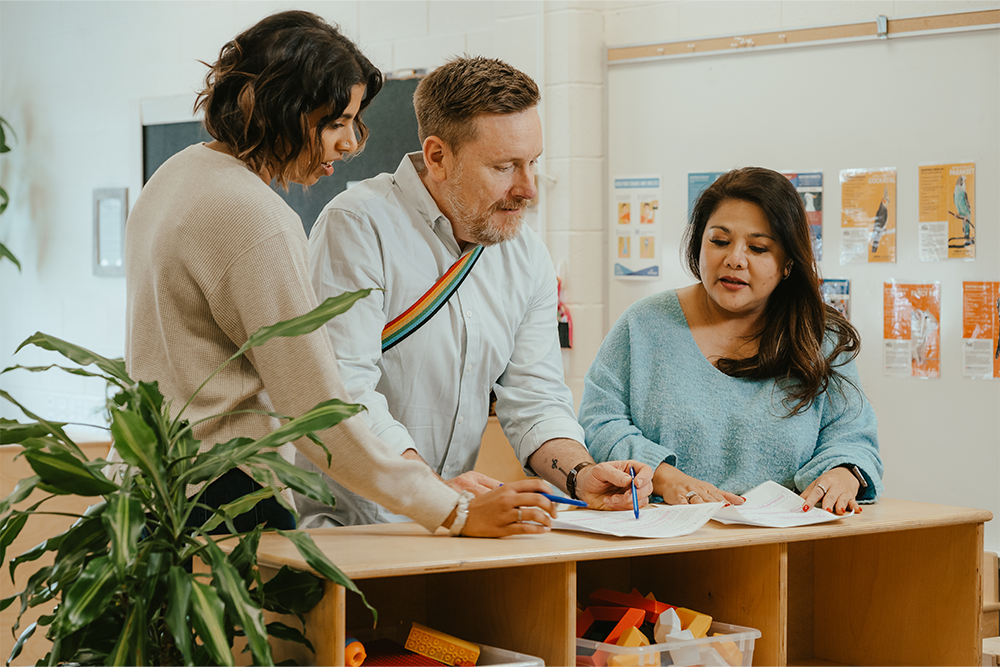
{"x":431,"y":391}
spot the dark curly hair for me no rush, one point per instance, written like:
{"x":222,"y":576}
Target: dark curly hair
{"x":796,"y":320}
{"x":268,"y":80}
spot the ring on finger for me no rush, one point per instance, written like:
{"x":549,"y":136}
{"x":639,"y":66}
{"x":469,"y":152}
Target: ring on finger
{"x":690,"y":494}
{"x":519,"y":515}
{"x":822,"y":487}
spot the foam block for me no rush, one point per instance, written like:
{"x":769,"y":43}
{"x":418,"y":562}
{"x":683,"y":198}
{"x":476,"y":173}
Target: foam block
{"x":694,"y":621}
{"x":729,"y":651}
{"x":668,"y":623}
{"x":625,"y":617}
{"x":653,"y":609}
{"x":633,"y":637}
{"x":444,"y":648}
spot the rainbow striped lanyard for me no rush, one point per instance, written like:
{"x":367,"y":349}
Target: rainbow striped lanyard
{"x":433,"y":299}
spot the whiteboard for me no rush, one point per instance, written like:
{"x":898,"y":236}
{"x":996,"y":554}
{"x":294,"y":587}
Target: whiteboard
{"x":888,"y":103}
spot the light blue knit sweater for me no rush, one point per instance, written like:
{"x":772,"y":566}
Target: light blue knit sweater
{"x":652,"y":396}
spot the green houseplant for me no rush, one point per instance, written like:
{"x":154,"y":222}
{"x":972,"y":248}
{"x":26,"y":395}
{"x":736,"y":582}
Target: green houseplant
{"x":4,"y":199}
{"x":126,"y":595}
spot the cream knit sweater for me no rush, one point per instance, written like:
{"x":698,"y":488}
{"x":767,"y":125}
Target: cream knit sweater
{"x":212,"y":255}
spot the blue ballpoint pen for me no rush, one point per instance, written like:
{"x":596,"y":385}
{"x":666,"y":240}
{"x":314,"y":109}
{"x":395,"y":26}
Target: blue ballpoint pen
{"x":635,"y":498}
{"x":559,"y":499}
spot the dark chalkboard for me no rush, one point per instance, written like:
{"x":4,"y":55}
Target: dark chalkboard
{"x":390,"y":118}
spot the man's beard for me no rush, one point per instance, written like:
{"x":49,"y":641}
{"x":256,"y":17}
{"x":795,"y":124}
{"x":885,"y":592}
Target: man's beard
{"x":478,"y":225}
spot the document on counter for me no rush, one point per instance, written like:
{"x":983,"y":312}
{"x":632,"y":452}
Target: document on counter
{"x":774,"y":506}
{"x":653,"y":521}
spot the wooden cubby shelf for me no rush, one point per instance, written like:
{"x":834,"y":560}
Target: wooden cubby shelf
{"x":855,"y":592}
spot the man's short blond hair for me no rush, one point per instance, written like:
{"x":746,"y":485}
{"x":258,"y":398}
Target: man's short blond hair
{"x":448,"y":100}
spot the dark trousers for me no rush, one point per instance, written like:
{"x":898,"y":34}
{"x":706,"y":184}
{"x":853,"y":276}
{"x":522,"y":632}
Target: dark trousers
{"x":234,"y":485}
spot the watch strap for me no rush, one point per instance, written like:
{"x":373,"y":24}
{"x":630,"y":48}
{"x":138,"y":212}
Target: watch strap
{"x":571,"y":478}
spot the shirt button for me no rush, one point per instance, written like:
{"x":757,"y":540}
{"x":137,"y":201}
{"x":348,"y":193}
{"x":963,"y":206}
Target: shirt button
{"x":461,"y":420}
{"x":468,"y":369}
{"x":468,"y":313}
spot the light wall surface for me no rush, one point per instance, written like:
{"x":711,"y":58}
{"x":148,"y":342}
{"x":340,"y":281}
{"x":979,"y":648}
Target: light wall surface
{"x":72,"y":75}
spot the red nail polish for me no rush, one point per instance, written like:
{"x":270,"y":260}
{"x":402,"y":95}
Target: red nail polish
{"x":860,"y":510}
{"x":830,"y":510}
{"x":805,"y":508}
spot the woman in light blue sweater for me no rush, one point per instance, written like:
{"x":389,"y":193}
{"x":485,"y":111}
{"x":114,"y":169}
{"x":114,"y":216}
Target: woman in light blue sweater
{"x":745,"y":376}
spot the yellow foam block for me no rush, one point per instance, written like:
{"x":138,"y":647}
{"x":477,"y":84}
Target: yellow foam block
{"x":633,"y":637}
{"x":729,"y":652}
{"x":696,"y":622}
{"x":439,"y":646}
{"x":646,"y":660}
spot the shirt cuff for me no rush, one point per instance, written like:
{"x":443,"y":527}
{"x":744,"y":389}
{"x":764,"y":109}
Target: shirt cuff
{"x":543,"y":431}
{"x":397,"y":437}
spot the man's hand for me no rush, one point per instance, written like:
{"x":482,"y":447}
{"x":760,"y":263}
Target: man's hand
{"x":473,"y":481}
{"x":608,"y":486}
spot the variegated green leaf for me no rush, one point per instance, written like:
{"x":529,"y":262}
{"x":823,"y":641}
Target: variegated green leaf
{"x":288,"y":634}
{"x":230,"y":586}
{"x":208,"y":617}
{"x":131,"y":647}
{"x":292,"y":592}
{"x":307,"y":323}
{"x":21,"y":491}
{"x":87,"y":598}
{"x":178,"y":602}
{"x":80,"y":355}
{"x":318,"y":561}
{"x":325,"y":415}
{"x":9,"y":531}
{"x":307,"y":483}
{"x":236,"y":508}
{"x":123,"y":519}
{"x":51,"y":427}
{"x":62,"y":470}
{"x":36,"y":552}
{"x":74,"y":371}
{"x":19,"y":644}
{"x":13,"y":431}
{"x":4,"y":252}
{"x":137,"y":445}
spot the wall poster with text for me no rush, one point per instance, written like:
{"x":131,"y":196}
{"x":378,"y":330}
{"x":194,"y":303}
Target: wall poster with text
{"x":635,"y":229}
{"x":947,"y":220}
{"x":698,"y":182}
{"x":911,"y":345}
{"x":981,"y":329}
{"x":867,"y":216}
{"x":837,"y":293}
{"x":809,"y":185}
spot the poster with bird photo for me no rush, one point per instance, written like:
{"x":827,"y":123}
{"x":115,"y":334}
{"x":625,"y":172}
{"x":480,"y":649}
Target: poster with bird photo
{"x":867,"y":215}
{"x":911,"y":345}
{"x":947,"y":222}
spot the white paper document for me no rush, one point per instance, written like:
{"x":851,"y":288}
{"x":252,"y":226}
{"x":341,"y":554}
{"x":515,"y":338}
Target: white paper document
{"x":774,"y":506}
{"x":653,"y":521}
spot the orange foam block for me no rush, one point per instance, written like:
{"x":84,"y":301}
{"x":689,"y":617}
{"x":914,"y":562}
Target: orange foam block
{"x":626,"y":618}
{"x":652,"y":608}
{"x":729,"y":651}
{"x":439,"y":646}
{"x":696,"y":622}
{"x":634,"y":637}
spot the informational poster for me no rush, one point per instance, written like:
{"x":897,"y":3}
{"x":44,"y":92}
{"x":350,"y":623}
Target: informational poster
{"x":867,"y":215}
{"x":635,"y":231}
{"x":809,"y":185}
{"x":947,"y":221}
{"x":912,"y":329}
{"x":981,"y":329}
{"x":698,"y":183}
{"x":837,"y":293}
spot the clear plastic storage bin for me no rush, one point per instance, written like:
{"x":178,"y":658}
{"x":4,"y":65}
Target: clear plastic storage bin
{"x":488,"y":655}
{"x":733,"y":648}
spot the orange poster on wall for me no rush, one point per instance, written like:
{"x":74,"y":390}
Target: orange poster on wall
{"x":981,"y":329}
{"x":867,"y":216}
{"x":947,"y":221}
{"x":911,"y":329}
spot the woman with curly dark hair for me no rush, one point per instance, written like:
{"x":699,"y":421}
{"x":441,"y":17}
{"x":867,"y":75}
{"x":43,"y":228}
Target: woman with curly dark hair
{"x":214,"y":254}
{"x":745,"y":376}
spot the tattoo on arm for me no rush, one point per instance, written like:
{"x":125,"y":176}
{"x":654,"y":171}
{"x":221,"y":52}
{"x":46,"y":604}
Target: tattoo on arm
{"x":555,"y":466}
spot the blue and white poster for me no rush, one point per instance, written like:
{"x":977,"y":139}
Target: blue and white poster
{"x":635,"y":227}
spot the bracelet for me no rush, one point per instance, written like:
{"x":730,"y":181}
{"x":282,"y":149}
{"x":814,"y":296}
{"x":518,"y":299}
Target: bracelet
{"x":461,"y":514}
{"x":856,"y":471}
{"x":571,"y":478}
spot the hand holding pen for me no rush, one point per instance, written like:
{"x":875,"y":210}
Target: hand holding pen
{"x":609,"y":485}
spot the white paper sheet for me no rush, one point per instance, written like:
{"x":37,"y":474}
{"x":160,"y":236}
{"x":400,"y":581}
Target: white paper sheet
{"x":774,"y":506}
{"x":653,"y":521}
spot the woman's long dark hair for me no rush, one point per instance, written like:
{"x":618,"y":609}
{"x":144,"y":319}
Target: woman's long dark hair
{"x":268,"y":80}
{"x":796,"y":320}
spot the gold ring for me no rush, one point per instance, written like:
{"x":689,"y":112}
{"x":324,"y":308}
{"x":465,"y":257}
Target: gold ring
{"x":519,"y":515}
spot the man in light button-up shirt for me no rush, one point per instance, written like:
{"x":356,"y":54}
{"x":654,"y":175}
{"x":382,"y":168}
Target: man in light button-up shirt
{"x":428,"y":396}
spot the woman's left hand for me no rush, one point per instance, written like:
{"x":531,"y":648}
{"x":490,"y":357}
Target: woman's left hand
{"x":836,"y":489}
